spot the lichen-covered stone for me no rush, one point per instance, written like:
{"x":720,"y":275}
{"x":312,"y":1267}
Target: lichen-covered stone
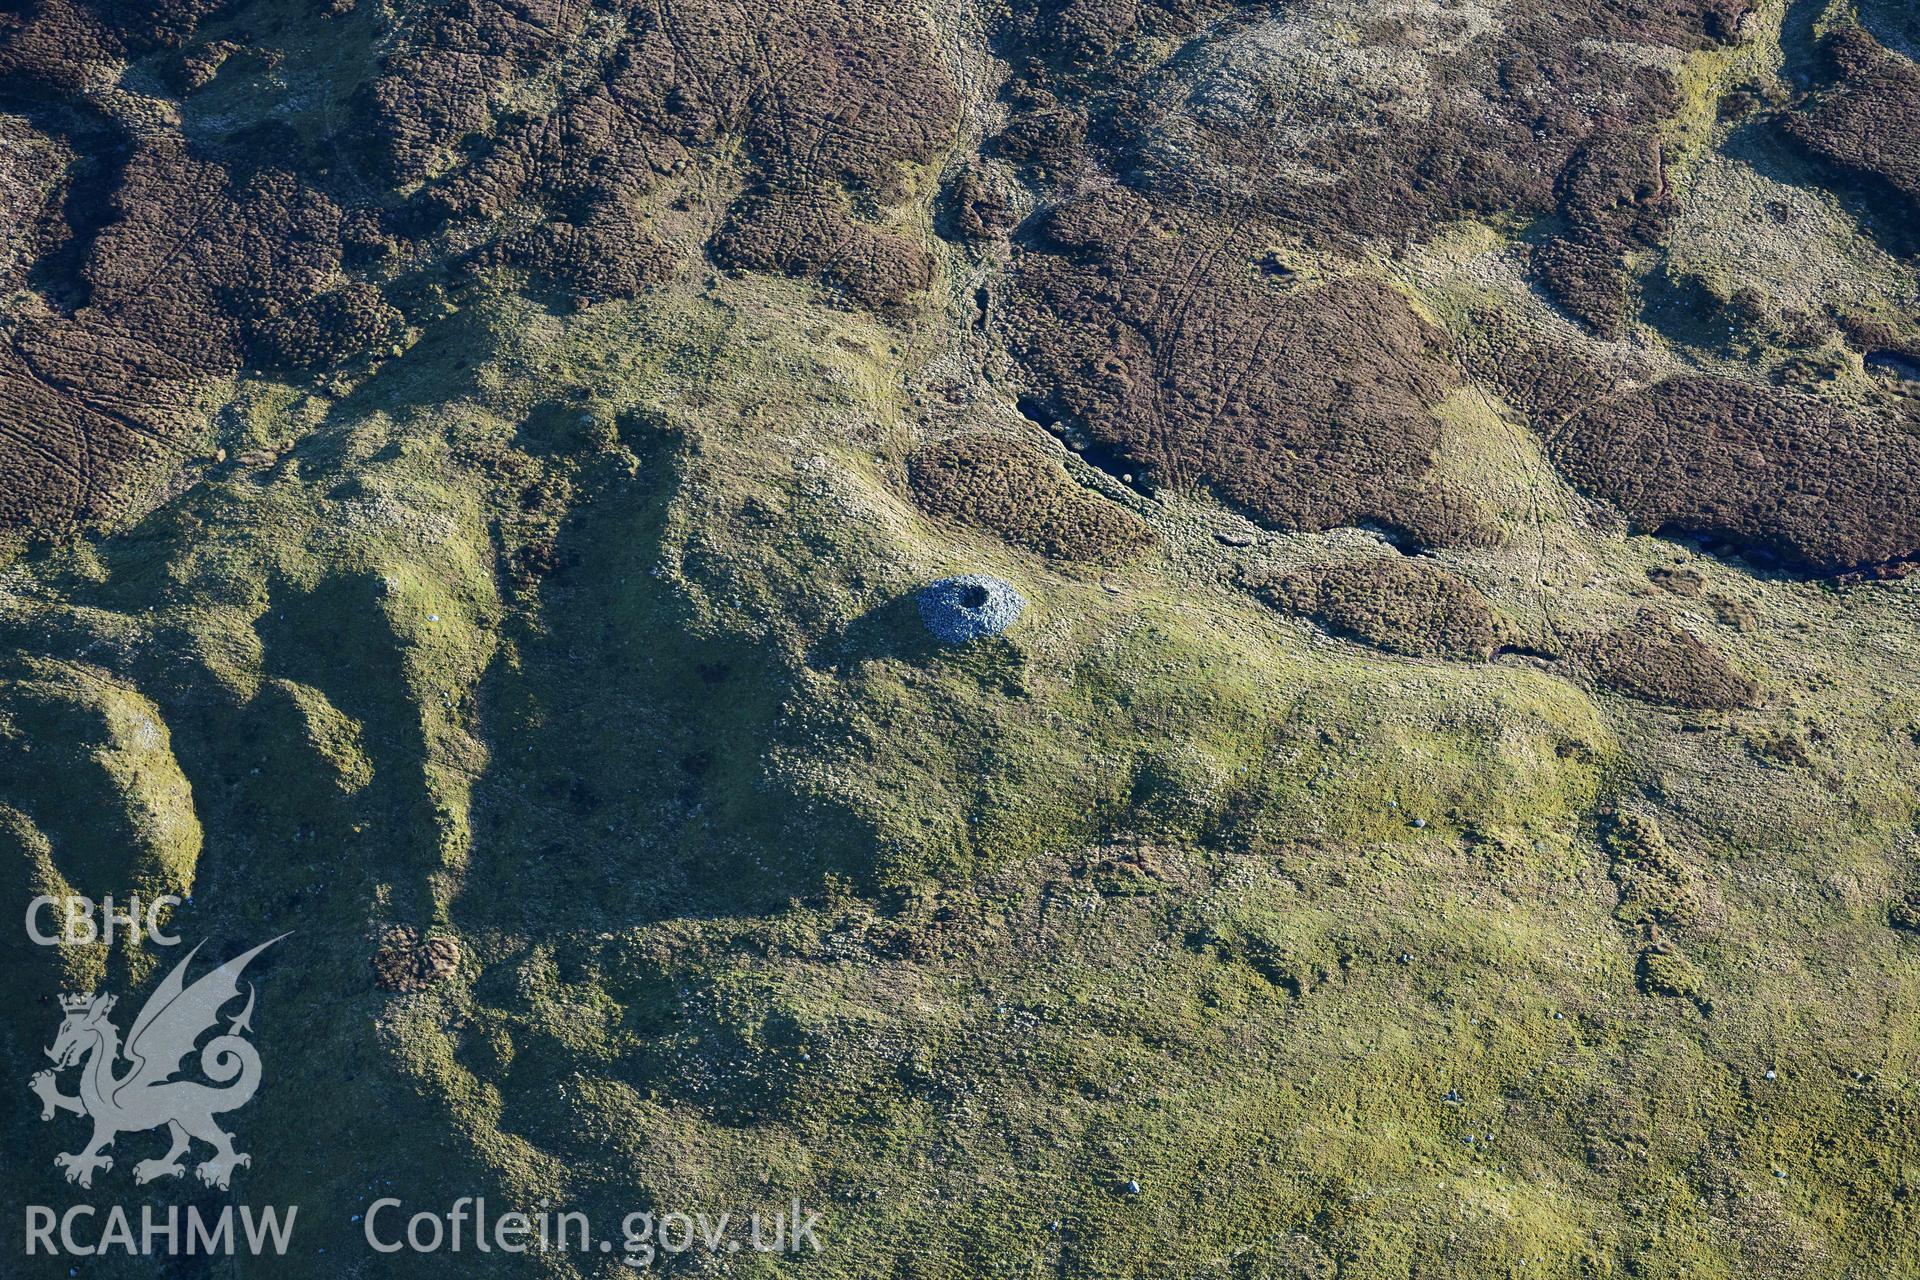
{"x":969,"y":607}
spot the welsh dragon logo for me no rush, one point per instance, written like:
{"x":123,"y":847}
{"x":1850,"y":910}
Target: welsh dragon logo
{"x":145,"y":1095}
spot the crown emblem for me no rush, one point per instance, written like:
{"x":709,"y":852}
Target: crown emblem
{"x":76,"y":1004}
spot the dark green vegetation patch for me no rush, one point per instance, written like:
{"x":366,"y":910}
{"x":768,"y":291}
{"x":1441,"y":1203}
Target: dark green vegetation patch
{"x":1656,"y":884}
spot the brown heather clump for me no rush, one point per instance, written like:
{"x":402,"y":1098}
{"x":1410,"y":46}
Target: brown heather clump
{"x":608,"y":254}
{"x":409,"y":963}
{"x":1163,"y":339}
{"x":861,"y":94}
{"x":1432,"y":113}
{"x":1045,"y":138}
{"x":99,"y":381}
{"x":980,"y":205}
{"x":162,"y":264}
{"x":1027,"y":498}
{"x":34,"y":182}
{"x":1867,"y":122}
{"x":1679,"y":581}
{"x":1768,"y":469}
{"x":56,"y":45}
{"x":1548,"y":382}
{"x":1613,"y":197}
{"x":326,"y":330}
{"x":1655,"y":661}
{"x":1399,"y":604}
{"x":811,"y":234}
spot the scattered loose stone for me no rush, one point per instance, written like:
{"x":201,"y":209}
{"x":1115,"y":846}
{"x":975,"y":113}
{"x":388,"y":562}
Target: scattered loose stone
{"x":408,"y":963}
